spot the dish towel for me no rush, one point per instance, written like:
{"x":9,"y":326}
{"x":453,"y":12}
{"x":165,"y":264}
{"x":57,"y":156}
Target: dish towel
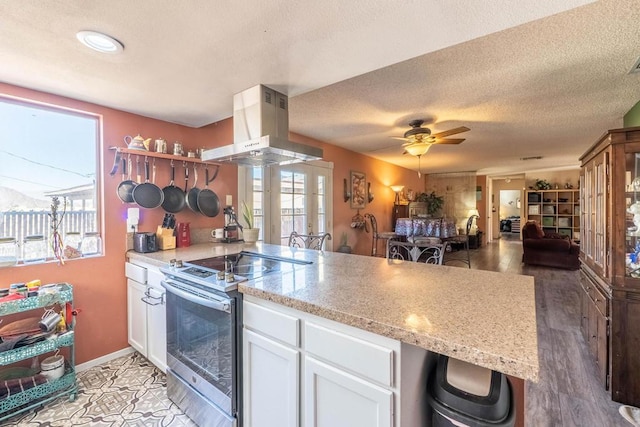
{"x":631,"y":414}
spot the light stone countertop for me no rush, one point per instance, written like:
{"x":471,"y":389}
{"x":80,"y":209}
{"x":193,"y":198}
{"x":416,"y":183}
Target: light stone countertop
{"x":481,"y":317}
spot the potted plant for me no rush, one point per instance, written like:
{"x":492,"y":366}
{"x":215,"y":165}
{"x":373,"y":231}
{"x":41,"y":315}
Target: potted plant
{"x":249,"y":233}
{"x":434,"y":203}
{"x":344,"y":247}
{"x":542,"y":184}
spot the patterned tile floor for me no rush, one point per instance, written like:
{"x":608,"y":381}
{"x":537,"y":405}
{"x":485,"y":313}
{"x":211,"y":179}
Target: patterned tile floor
{"x":128,"y":391}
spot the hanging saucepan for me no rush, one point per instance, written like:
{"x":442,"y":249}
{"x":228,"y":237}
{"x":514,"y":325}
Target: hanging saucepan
{"x":173,"y":196}
{"x":148,"y":195}
{"x":208,"y":201}
{"x":192,"y":195}
{"x":125,"y":189}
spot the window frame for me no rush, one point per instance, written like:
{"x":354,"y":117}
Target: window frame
{"x":98,"y":167}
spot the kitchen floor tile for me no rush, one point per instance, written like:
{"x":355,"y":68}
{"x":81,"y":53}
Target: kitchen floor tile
{"x":128,"y":391}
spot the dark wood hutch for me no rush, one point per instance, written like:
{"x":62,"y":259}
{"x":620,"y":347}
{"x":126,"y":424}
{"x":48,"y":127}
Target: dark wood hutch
{"x":610,"y":255}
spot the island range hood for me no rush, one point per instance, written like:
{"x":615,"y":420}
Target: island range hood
{"x":261,"y":132}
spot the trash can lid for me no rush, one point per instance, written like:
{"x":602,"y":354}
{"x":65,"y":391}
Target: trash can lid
{"x":471,"y":390}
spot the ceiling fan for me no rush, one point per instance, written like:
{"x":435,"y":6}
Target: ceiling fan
{"x":419,"y":139}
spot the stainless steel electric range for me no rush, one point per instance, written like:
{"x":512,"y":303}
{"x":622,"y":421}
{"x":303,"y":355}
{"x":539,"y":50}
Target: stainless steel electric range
{"x":204,"y":333}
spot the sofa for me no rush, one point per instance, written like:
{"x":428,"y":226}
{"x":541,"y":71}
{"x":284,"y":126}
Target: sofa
{"x":548,"y":249}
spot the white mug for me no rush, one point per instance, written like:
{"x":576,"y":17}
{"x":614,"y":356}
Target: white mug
{"x":218,"y":233}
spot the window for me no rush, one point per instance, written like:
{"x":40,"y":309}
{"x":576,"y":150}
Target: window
{"x":48,"y":154}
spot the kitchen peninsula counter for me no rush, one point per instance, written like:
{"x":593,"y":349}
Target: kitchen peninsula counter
{"x":485,"y":318}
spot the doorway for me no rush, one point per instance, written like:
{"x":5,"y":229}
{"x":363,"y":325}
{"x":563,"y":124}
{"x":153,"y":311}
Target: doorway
{"x":289,"y":197}
{"x":509,"y":214}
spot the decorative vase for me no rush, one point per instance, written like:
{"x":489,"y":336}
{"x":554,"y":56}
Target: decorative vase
{"x":250,"y":235}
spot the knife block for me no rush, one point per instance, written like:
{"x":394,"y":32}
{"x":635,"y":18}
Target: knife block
{"x":166,"y":239}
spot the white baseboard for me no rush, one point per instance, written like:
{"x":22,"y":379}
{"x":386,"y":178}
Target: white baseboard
{"x":104,"y":359}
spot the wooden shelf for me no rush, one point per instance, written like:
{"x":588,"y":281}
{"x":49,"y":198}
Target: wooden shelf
{"x":550,"y":214}
{"x":155,"y":155}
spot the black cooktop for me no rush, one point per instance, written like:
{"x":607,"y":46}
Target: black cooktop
{"x":248,"y":264}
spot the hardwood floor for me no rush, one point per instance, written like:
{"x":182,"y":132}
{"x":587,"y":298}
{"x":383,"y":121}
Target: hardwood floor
{"x":568,"y":392}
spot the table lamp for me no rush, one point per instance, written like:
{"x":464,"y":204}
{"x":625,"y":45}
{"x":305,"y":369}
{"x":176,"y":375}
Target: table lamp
{"x":473,"y":213}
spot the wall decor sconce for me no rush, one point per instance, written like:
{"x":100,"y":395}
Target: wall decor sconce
{"x":347,"y":193}
{"x":369,"y":193}
{"x":397,"y":189}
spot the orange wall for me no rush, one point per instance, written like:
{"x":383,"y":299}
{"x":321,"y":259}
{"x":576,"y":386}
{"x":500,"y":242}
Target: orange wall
{"x":99,"y":283}
{"x":481,"y":204}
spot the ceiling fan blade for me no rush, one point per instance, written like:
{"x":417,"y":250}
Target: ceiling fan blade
{"x":450,"y":132}
{"x":449,"y":141}
{"x":400,"y":138}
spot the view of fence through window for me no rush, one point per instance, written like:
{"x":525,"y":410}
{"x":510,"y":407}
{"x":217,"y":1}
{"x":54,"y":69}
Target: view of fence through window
{"x":46,"y":153}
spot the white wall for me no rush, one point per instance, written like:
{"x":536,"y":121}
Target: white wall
{"x":509,"y":203}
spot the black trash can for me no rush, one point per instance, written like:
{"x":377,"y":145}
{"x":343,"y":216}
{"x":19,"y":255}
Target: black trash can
{"x":462,"y":394}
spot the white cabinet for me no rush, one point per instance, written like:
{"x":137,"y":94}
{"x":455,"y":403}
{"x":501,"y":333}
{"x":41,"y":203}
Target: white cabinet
{"x":137,"y":316}
{"x":334,"y":398}
{"x":146,"y":320}
{"x":302,"y":370}
{"x":271,"y":375}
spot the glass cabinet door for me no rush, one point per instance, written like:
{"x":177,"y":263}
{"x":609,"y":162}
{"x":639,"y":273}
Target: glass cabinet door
{"x":632,"y":217}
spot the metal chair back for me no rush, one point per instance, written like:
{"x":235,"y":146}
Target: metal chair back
{"x":374,"y":232}
{"x":419,"y":251}
{"x":308,"y":241}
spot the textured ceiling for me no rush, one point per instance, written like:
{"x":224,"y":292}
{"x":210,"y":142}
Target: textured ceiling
{"x":532,"y":78}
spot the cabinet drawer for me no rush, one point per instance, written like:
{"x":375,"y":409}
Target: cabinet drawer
{"x":135,"y":272}
{"x":599,"y":299}
{"x":595,"y":294}
{"x":369,"y":360}
{"x":269,"y":322}
{"x":154,"y":277}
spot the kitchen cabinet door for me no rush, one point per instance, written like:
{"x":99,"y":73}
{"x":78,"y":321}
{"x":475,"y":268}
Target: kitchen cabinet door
{"x":334,"y":398}
{"x":137,"y":316}
{"x":270,"y":380}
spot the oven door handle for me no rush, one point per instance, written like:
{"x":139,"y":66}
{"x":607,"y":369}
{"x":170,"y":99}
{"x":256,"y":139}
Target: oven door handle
{"x":219,"y":304}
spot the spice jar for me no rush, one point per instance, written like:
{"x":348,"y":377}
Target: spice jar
{"x":8,"y":251}
{"x":35,"y":249}
{"x":91,"y":244}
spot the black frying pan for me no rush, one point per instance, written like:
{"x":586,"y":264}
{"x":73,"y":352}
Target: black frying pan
{"x":148,"y":195}
{"x":125,"y":189}
{"x":192,"y":195}
{"x":173,"y":196}
{"x":208,"y":201}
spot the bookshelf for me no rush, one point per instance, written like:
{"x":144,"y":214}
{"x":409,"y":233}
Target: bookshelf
{"x":557,"y":211}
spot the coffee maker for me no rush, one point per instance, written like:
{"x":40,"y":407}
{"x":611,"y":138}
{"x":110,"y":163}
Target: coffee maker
{"x":231,"y":226}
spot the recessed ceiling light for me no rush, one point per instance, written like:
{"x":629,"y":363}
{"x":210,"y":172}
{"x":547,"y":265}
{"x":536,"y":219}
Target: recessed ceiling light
{"x":100,"y":42}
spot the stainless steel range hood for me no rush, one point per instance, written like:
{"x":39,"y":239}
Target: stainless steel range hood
{"x":261,"y":132}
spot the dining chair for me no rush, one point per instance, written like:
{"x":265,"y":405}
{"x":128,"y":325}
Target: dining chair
{"x":428,"y":252}
{"x":308,"y":241}
{"x":460,"y":240}
{"x":386,"y":236}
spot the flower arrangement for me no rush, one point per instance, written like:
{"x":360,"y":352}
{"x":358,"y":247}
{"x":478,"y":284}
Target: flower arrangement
{"x":56,"y":220}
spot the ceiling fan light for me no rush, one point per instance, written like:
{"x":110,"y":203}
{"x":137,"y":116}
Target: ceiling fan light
{"x":417,"y":149}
